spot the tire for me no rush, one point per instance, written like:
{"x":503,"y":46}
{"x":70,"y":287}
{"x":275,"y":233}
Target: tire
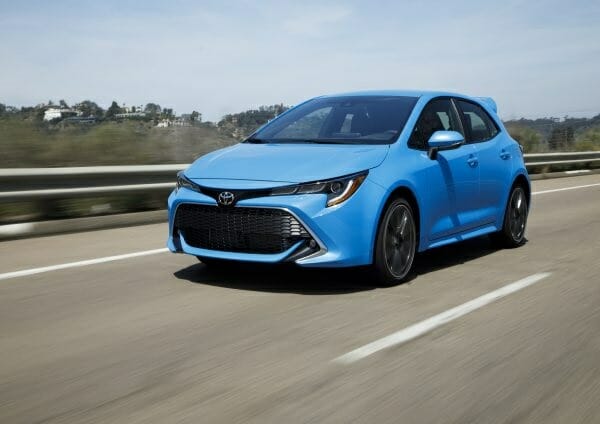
{"x":512,"y":233}
{"x":396,"y":244}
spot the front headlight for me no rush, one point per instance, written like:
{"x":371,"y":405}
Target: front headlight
{"x":183,"y":182}
{"x":338,"y":190}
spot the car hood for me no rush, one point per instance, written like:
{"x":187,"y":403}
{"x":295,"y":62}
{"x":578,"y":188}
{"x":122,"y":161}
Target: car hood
{"x":289,"y":163}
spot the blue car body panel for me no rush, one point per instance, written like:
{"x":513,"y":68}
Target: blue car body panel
{"x":293,"y":163}
{"x":461,"y":194}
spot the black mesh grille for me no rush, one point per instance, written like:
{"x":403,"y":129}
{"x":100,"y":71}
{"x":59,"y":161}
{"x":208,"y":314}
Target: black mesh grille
{"x":247,"y":230}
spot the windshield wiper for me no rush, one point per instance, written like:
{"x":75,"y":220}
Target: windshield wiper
{"x":333,"y":141}
{"x":255,"y":140}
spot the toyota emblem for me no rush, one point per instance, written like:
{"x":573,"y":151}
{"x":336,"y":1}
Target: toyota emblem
{"x":226,"y":198}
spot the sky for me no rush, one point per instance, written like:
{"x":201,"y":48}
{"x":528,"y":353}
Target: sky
{"x":535,"y":58}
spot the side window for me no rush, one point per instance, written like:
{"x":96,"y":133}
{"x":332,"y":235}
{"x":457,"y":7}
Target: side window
{"x":478,"y":124}
{"x":438,"y":115}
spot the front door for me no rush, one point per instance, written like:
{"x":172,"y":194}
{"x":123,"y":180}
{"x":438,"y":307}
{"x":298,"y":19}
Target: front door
{"x":452,"y":179}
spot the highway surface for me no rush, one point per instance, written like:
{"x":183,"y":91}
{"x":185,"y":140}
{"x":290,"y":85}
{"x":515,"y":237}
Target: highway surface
{"x":157,"y":338}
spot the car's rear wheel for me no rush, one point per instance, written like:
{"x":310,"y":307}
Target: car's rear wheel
{"x":512,"y":233}
{"x":396,"y":243}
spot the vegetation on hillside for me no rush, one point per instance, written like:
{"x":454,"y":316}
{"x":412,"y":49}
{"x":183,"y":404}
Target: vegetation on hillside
{"x":241,"y":125}
{"x":111,"y":138}
{"x":552,"y":134}
{"x":26,"y":143}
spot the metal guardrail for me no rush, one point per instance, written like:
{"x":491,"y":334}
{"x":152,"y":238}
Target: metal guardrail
{"x":31,"y":184}
{"x":27,"y":184}
{"x":534,"y":160}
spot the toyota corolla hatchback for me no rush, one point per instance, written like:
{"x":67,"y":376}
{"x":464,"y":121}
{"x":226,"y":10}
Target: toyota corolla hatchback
{"x":368,"y":178}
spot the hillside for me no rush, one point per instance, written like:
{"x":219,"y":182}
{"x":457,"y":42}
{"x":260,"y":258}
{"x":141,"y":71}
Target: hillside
{"x":25,"y":143}
{"x":551,"y":134}
{"x":106,"y":138}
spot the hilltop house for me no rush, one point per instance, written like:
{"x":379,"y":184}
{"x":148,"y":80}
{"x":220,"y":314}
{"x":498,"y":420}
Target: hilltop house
{"x":58,"y":113}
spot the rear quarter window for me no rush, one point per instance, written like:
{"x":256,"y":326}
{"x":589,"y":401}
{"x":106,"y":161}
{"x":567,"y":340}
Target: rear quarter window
{"x":479,"y":126}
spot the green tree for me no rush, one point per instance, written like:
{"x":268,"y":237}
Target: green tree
{"x":561,"y":138}
{"x":242,"y":124}
{"x":528,"y":138}
{"x":113,"y":110}
{"x":589,"y":140}
{"x":89,"y":108}
{"x":63,"y":104}
{"x":152,"y":109}
{"x":196,"y":117}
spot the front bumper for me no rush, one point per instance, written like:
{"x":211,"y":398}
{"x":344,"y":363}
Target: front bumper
{"x":342,"y":235}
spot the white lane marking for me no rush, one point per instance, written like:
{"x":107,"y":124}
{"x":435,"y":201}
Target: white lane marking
{"x":435,"y":321}
{"x":33,"y":271}
{"x":578,"y":171}
{"x":563,"y":189}
{"x":16,"y":229}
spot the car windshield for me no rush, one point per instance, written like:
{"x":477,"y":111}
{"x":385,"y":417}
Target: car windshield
{"x":340,"y":120}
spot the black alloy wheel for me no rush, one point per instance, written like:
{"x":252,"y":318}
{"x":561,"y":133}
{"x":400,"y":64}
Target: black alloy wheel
{"x":515,"y":219}
{"x":396,"y":243}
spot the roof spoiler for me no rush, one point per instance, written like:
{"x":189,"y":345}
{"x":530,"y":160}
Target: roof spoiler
{"x":489,"y":102}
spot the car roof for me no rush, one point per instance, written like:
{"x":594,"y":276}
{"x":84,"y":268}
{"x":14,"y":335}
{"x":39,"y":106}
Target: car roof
{"x":428,"y":94}
{"x":408,"y":93}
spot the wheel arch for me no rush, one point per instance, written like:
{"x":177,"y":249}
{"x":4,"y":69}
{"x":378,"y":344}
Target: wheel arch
{"x":518,"y":179}
{"x":522,"y":180}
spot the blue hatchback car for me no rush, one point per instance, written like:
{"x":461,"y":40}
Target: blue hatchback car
{"x":367,"y":178}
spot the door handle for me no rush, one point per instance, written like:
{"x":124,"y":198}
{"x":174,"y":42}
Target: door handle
{"x":504,"y":155}
{"x":472,"y":161}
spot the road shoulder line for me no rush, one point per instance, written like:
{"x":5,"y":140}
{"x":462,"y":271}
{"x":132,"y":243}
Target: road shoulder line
{"x":420,"y":328}
{"x":564,"y":189}
{"x":40,"y":270}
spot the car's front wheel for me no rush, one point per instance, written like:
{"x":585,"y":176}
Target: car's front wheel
{"x":396,"y":243}
{"x":512,"y":233}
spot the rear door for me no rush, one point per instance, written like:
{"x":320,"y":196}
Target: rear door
{"x":494,"y":154}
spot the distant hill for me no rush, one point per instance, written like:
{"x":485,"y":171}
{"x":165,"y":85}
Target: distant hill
{"x":548,"y":134}
{"x":241,"y":125}
{"x":26,"y":140}
{"x":26,"y":144}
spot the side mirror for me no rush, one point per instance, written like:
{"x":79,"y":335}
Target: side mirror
{"x":444,"y":140}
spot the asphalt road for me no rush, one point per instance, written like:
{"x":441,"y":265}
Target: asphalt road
{"x":160,"y":339}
